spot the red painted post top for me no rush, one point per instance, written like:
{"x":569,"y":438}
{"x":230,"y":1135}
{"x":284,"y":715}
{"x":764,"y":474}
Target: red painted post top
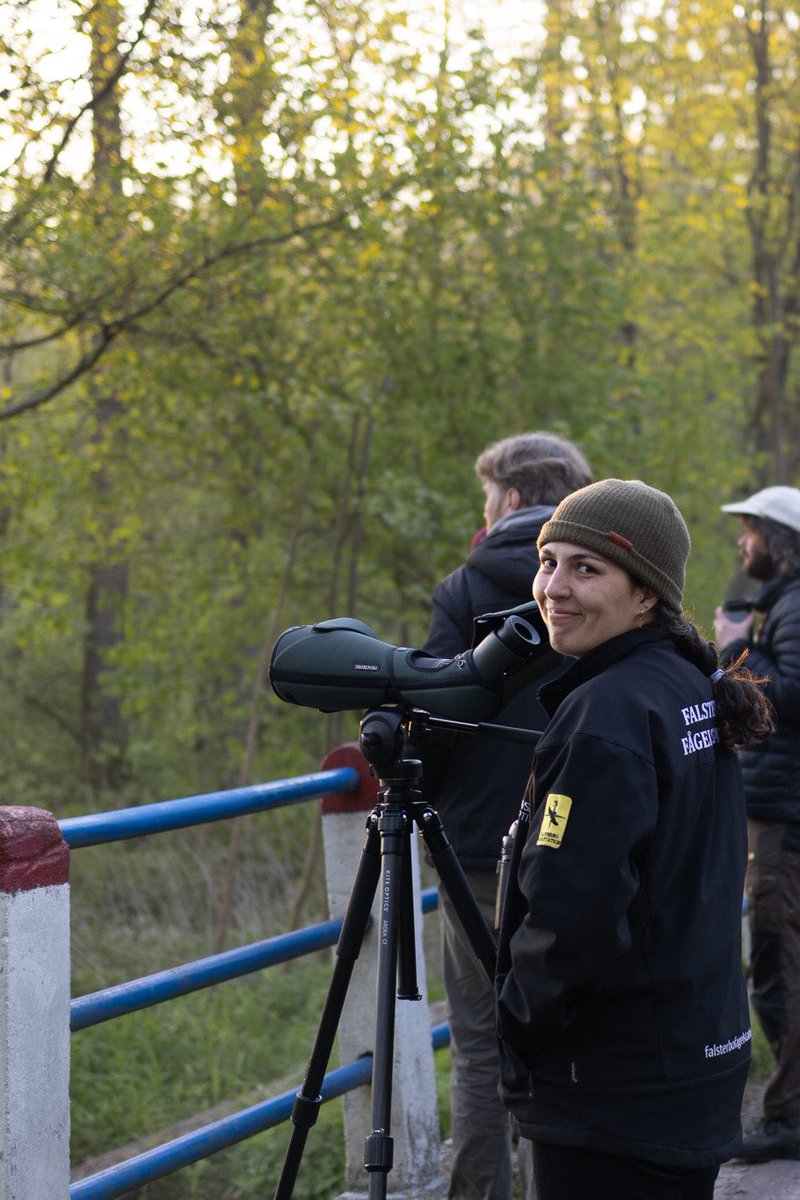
{"x":33,"y":853}
{"x":366,"y":794}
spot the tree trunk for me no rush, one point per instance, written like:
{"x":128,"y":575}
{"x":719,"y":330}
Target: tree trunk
{"x":104,"y":735}
{"x":770,"y":279}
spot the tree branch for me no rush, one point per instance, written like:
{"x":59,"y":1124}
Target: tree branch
{"x":110,"y":330}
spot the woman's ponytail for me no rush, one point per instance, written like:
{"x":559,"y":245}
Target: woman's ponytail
{"x":744,"y":714}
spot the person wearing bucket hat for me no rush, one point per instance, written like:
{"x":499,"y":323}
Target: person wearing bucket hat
{"x":769,"y":635}
{"x":621,"y":1006}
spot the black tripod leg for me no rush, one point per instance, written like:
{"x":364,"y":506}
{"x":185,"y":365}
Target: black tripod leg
{"x":455,"y":883}
{"x":407,"y":978}
{"x":354,"y":927}
{"x":394,"y":827}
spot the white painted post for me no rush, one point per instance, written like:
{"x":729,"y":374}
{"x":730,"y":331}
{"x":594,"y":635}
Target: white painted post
{"x":417,"y":1163}
{"x":34,"y":1006}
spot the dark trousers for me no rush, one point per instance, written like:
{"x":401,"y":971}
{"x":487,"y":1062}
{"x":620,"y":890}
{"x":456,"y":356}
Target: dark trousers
{"x":570,"y":1173}
{"x":773,"y":898}
{"x":481,"y":1129}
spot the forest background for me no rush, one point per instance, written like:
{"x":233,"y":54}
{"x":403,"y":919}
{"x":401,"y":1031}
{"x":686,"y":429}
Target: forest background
{"x":274,"y":272}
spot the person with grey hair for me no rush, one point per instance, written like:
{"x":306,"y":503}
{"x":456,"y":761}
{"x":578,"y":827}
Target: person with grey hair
{"x":477,"y":784}
{"x":769,"y":635}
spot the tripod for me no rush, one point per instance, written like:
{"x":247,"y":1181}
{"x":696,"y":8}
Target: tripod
{"x":386,"y":860}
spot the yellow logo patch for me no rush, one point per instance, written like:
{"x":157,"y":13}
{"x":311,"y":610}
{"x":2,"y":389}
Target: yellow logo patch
{"x":554,"y":821}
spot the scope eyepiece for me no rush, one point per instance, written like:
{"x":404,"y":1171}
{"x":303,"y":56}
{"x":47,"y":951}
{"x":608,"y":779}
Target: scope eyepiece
{"x":505,"y":649}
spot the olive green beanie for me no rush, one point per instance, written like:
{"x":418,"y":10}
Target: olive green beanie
{"x":634,"y":525}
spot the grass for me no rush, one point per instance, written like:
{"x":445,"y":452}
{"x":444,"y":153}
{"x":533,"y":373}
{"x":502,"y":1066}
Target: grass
{"x":153,"y":1069}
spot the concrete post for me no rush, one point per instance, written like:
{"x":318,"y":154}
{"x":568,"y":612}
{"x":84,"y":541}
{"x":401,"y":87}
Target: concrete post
{"x":415,"y":1119}
{"x":34,"y":1006}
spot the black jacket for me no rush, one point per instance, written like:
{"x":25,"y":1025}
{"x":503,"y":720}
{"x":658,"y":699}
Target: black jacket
{"x":772,"y":768}
{"x":476,"y":784}
{"x":622,"y":1008}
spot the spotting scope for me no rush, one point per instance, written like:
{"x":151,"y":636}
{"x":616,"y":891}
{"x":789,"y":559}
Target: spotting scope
{"x":341,"y":664}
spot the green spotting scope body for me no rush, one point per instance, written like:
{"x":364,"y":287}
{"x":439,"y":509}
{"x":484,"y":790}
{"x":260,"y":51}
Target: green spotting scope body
{"x":341,"y":664}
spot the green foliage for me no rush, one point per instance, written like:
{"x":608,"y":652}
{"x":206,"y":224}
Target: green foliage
{"x":254,"y":343}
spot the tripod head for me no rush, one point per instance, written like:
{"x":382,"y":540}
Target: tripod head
{"x":384,"y":733}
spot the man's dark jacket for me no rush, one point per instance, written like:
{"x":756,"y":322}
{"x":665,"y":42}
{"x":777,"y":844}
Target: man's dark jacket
{"x":622,"y":1007}
{"x":475,"y":783}
{"x":772,"y":768}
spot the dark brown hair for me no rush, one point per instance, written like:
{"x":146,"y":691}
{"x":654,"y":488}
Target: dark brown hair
{"x":744,"y":714}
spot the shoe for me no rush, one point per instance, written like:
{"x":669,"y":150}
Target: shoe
{"x":771,"y":1139}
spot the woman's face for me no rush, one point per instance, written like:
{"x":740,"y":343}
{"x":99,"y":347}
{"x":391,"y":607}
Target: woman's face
{"x":585,"y":599}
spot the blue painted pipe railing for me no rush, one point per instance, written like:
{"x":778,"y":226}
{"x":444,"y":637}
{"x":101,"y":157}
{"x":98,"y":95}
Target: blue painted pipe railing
{"x":200,"y":1143}
{"x":204,"y":972}
{"x":129,"y":997}
{"x":85,"y":1011}
{"x":121,"y":823}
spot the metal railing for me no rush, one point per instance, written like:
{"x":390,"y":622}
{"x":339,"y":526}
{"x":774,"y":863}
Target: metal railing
{"x":136,"y":994}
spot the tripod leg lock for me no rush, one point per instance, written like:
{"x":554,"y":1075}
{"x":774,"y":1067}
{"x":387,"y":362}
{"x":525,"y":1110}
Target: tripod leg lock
{"x":379,"y":1151}
{"x":305,"y":1110}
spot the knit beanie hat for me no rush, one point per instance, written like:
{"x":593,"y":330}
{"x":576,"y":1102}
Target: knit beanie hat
{"x":634,"y":525}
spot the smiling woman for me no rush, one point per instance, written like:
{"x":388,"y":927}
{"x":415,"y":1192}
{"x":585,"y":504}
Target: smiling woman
{"x":585,"y":599}
{"x":621,"y":1003}
{"x":605,"y":559}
